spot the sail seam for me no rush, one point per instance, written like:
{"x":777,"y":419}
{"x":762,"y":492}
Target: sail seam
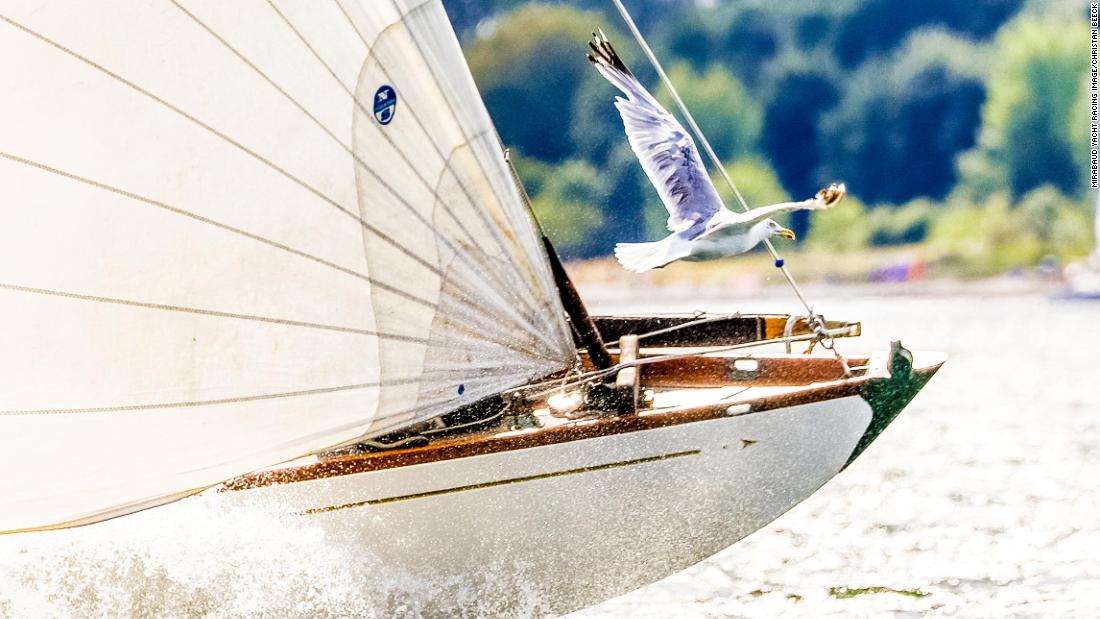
{"x":208,"y":312}
{"x":473,"y":325}
{"x":439,"y":151}
{"x":469,"y":293}
{"x":418,"y":259}
{"x":352,"y":23}
{"x":443,"y":91}
{"x":464,"y":299}
{"x":359,"y":104}
{"x":197,"y":403}
{"x":424,"y":181}
{"x":536,"y":311}
{"x":179,"y":111}
{"x":469,"y":139}
{"x":439,"y":85}
{"x":217,"y":224}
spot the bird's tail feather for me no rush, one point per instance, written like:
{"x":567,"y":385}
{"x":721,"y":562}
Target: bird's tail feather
{"x":603,"y":54}
{"x":642,"y":257}
{"x":607,"y":61}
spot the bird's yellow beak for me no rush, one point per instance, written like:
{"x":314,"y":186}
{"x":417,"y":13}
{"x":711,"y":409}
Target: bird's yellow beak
{"x":787,"y":233}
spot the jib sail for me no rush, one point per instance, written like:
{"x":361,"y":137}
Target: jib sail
{"x":235,"y":233}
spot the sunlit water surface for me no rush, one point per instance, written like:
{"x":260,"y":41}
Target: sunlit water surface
{"x":981,"y":500}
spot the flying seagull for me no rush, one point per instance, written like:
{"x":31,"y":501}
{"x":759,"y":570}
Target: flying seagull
{"x":702,"y":227}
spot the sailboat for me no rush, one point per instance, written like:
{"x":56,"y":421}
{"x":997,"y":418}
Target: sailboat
{"x":273,"y":254}
{"x":1083,"y":277}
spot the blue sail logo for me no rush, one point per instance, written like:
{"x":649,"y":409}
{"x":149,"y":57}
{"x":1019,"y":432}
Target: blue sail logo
{"x":385,"y":104}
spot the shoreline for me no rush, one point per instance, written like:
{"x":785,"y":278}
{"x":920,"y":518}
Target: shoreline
{"x":635,"y":289}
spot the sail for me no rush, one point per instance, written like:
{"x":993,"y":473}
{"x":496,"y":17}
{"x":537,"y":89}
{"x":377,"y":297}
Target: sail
{"x":236,"y":233}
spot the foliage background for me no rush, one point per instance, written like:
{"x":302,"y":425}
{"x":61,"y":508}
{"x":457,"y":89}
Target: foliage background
{"x":960,"y":127}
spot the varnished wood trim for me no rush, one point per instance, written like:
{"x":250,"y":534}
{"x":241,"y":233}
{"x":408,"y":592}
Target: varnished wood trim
{"x":717,"y":371}
{"x":487,"y":444}
{"x":702,"y":329}
{"x":463,"y":447}
{"x":774,"y":326}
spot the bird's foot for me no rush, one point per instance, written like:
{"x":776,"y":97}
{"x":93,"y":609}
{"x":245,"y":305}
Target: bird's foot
{"x":832,"y":194}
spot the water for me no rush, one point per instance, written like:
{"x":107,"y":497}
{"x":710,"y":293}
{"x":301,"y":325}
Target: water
{"x":981,"y":500}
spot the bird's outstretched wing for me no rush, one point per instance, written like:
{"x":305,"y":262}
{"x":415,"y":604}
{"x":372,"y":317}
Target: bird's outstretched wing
{"x":666,"y":151}
{"x":826,"y":198}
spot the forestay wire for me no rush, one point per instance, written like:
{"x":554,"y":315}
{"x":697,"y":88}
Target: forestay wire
{"x":814,"y":319}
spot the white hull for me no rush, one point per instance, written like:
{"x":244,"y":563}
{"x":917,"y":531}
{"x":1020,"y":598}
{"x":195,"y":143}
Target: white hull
{"x":570,"y":524}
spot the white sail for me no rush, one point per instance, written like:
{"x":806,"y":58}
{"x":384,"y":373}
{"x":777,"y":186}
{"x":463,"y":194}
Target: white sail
{"x":225,"y":246}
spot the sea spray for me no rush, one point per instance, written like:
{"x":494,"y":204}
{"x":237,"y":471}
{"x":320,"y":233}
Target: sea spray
{"x":198,"y":558}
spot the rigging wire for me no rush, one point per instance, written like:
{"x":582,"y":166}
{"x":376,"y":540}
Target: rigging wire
{"x":700,"y":318}
{"x":818,"y":327}
{"x":558,"y":384}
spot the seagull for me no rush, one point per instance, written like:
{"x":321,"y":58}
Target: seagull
{"x":701,"y":225}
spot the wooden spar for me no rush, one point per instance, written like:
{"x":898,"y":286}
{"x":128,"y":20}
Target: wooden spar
{"x":587,"y":332}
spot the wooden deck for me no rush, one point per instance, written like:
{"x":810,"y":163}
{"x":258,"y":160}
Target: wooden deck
{"x":684,"y":390}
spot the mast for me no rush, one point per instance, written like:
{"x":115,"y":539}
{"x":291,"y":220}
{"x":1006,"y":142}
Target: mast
{"x":587,"y":332}
{"x":583,"y":324}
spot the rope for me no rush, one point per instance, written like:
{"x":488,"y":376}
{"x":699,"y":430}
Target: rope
{"x":779,"y":263}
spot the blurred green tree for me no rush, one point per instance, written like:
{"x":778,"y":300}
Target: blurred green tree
{"x":799,"y":93}
{"x":566,"y":200}
{"x":983,"y":238}
{"x":466,"y":15}
{"x":471,"y":17}
{"x":742,"y":37}
{"x":722,"y":106}
{"x":881,"y":94}
{"x":988,"y":237}
{"x":895,"y":133}
{"x":529,"y":70}
{"x":757,"y":181}
{"x":632,"y":204}
{"x":902,"y":225}
{"x":877,"y":26}
{"x":748,"y":42}
{"x":745,"y":37}
{"x":1029,"y":131}
{"x":841,"y":228}
{"x":688,"y":36}
{"x":1063,"y":225}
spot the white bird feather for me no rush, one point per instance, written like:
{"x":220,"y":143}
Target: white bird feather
{"x":701,"y":225}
